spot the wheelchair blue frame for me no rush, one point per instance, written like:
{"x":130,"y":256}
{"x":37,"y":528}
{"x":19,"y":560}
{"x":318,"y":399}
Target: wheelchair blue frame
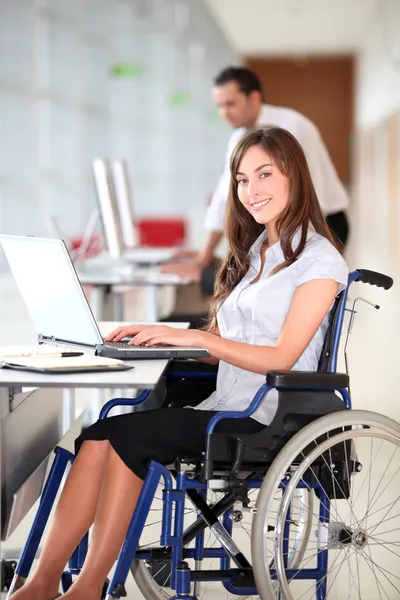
{"x":174,"y":497}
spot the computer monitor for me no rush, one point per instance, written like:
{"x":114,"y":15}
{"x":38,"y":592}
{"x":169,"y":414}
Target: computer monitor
{"x":123,"y":193}
{"x":108,"y":206}
{"x":117,"y":218}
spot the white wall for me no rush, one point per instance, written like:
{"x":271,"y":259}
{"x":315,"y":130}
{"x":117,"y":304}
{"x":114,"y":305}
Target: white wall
{"x":60,"y":106}
{"x":376,"y":198}
{"x":378,"y":67}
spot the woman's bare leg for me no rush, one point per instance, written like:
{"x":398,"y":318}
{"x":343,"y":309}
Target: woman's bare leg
{"x":99,"y":488}
{"x":73,"y":517}
{"x":118,"y":497}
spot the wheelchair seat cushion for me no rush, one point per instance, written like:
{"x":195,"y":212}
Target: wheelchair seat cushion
{"x":160,"y":435}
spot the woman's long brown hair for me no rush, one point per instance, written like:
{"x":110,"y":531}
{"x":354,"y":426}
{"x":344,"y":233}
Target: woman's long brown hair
{"x":241,"y":230}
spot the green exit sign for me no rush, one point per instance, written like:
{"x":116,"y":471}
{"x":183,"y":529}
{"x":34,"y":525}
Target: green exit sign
{"x":131,"y":70}
{"x":178,"y":99}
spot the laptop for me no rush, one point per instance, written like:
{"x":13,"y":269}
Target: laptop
{"x":114,"y":197}
{"x":57,"y":305}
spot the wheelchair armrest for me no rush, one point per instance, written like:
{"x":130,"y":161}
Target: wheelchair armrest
{"x":123,"y":402}
{"x":307,"y":380}
{"x":188,"y":369}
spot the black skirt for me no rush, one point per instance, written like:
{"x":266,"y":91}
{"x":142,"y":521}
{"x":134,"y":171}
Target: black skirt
{"x":161,"y":435}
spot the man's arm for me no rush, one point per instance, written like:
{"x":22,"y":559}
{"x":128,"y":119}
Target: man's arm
{"x":206,"y":255}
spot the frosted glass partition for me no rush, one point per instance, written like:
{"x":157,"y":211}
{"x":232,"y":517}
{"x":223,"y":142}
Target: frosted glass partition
{"x":127,"y":78}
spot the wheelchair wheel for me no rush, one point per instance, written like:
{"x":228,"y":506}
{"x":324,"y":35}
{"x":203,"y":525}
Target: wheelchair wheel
{"x":153,"y":577}
{"x":351,"y":461}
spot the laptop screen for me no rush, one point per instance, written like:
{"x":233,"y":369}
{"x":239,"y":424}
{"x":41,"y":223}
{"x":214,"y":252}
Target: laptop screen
{"x":50,"y":288}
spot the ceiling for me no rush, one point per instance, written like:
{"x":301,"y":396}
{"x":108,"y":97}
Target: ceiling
{"x":259,"y":27}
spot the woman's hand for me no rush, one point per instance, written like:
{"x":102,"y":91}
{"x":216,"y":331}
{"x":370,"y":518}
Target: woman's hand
{"x":159,"y":334}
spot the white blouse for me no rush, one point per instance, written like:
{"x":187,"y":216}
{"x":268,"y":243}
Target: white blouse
{"x":255,"y":314}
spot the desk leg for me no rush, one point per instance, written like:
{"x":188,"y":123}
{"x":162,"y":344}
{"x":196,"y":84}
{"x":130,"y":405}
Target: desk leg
{"x":68,"y":409}
{"x":152,"y":303}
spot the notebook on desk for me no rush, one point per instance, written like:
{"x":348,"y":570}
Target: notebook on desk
{"x":57,"y":304}
{"x":58,"y":365}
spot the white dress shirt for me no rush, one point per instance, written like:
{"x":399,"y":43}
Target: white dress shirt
{"x":332,"y":195}
{"x":255,"y":314}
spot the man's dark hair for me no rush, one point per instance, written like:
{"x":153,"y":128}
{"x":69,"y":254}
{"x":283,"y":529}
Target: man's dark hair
{"x":247,"y":80}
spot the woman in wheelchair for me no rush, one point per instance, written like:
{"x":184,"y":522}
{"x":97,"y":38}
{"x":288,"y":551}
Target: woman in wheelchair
{"x":270,"y":311}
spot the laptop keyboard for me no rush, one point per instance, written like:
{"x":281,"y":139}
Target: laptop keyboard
{"x":124,"y":345}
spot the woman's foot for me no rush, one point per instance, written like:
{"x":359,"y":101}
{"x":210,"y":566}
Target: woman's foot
{"x":75,"y":593}
{"x":33,"y":591}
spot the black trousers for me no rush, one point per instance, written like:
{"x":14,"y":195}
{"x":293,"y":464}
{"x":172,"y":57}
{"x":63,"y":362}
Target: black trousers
{"x":339,"y":225}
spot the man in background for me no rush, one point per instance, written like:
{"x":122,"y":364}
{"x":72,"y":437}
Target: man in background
{"x":238,"y":95}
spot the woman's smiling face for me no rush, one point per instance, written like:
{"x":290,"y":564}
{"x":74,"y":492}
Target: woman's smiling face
{"x":261,"y":187}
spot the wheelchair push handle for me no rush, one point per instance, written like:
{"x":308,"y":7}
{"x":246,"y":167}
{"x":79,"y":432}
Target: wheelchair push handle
{"x":374,"y":278}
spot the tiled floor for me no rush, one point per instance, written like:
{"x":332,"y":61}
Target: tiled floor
{"x":373,"y":353}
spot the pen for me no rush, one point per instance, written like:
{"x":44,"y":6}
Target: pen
{"x":43,"y":355}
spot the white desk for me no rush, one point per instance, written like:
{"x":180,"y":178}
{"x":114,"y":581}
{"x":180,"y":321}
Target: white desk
{"x":144,"y":375}
{"x":120,"y":278}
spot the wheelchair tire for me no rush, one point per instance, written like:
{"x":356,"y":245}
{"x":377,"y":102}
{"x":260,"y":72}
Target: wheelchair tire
{"x":152,"y":578}
{"x":346,"y":527}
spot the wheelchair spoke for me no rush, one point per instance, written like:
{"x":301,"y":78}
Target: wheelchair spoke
{"x":365,"y":479}
{"x":303,"y":505}
{"x":319,"y":483}
{"x":153,"y":523}
{"x":384,"y":572}
{"x":379,"y":541}
{"x":160,"y":571}
{"x":380,"y":509}
{"x":144,"y":546}
{"x":338,"y":569}
{"x":358,"y":576}
{"x":308,"y":560}
{"x":385,"y":520}
{"x":388,"y":549}
{"x":336,"y":482}
{"x":323,"y":579}
{"x":372,"y":568}
{"x":384,"y":489}
{"x":369,"y":478}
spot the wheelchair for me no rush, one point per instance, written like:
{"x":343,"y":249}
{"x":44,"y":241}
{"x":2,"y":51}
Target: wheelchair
{"x":306,"y":508}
